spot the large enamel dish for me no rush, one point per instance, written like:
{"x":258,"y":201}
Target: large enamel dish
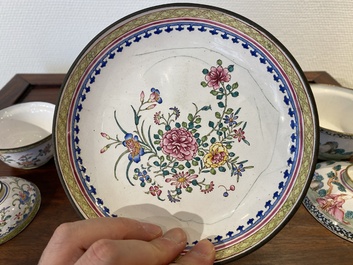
{"x":188,"y":116}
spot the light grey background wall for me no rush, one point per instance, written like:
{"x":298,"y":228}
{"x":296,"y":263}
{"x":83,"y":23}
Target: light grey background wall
{"x":42,"y":36}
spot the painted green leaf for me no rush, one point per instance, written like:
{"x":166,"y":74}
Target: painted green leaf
{"x":214,"y":92}
{"x":207,"y":107}
{"x":221,"y":104}
{"x":200,"y":153}
{"x":222,"y":169}
{"x":337,"y":167}
{"x":235,"y":85}
{"x":235,"y":94}
{"x":181,"y":167}
{"x":349,"y":215}
{"x":229,"y":111}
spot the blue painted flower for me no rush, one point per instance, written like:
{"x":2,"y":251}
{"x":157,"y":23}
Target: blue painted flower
{"x":176,"y":112}
{"x":24,"y":196}
{"x":133,"y":145}
{"x":143,"y":176}
{"x":230,"y":119}
{"x":237,"y":170}
{"x":172,"y":198}
{"x":155,"y":96}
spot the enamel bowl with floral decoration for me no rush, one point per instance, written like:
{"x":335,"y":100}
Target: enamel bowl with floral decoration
{"x":19,"y":203}
{"x":26,"y":134}
{"x":335,"y":108}
{"x":330,"y":197}
{"x":188,"y":116}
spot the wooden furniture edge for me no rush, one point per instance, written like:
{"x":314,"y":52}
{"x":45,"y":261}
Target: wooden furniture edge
{"x":320,"y":77}
{"x":20,"y":84}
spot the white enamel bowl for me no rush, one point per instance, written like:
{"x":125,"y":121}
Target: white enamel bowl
{"x":335,"y":108}
{"x":188,"y":116}
{"x":26,"y":134}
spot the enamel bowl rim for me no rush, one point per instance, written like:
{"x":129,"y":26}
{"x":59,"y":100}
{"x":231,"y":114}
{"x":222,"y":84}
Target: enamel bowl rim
{"x":34,"y":144}
{"x":324,"y":129}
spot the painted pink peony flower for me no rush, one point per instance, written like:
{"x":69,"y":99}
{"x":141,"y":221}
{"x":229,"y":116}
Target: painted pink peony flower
{"x":216,"y":76}
{"x":179,"y":143}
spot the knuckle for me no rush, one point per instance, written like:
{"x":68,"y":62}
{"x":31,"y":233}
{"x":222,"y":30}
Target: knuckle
{"x":63,"y":231}
{"x":103,"y":249}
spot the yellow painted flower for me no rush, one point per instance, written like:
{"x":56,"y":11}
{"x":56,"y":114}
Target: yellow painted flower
{"x":217,"y":156}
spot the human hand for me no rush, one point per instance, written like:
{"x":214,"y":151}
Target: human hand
{"x":103,"y":241}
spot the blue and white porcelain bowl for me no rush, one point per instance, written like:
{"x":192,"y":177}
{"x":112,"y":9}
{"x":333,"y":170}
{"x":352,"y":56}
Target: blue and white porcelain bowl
{"x":335,"y":108}
{"x":26,"y":134}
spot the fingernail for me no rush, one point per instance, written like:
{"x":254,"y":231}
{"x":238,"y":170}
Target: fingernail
{"x":177,"y":235}
{"x":204,"y":248}
{"x":152,"y":229}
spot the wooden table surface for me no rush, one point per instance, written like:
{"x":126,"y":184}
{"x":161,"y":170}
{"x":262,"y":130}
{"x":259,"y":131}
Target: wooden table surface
{"x":302,"y":241}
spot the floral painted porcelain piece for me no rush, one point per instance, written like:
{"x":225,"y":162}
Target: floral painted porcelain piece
{"x":188,"y":116}
{"x":26,"y":134}
{"x":334,"y":103}
{"x":19,"y":203}
{"x":330,"y":197}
